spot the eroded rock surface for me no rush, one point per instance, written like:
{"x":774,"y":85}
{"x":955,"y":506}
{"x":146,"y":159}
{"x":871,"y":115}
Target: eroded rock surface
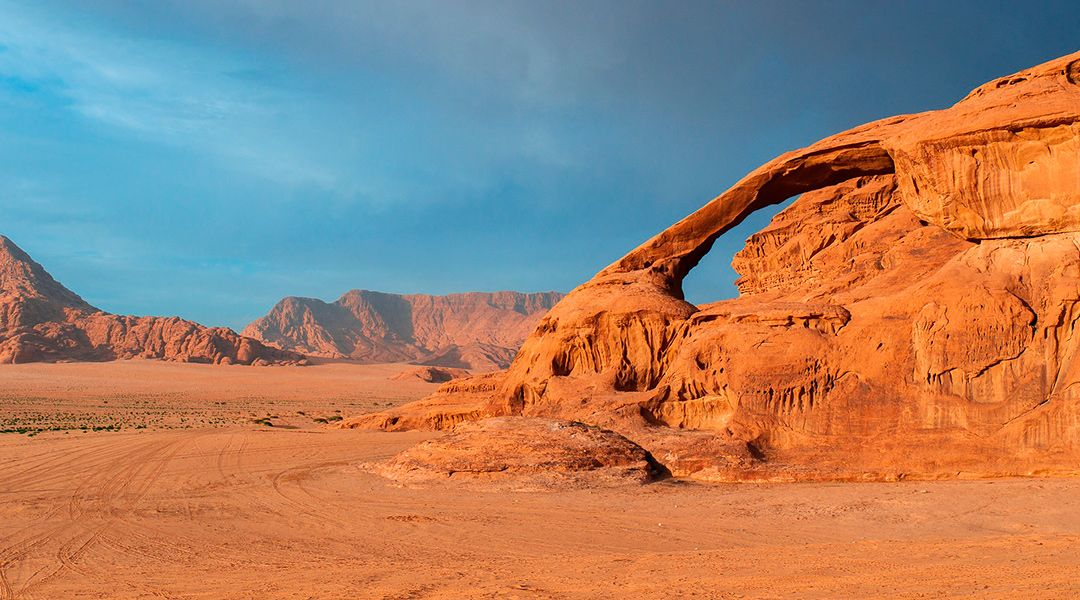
{"x":476,"y":330}
{"x":431,"y":374}
{"x":524,"y":453}
{"x":912,"y":314}
{"x":42,"y":321}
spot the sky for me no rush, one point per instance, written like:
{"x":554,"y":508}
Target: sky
{"x":206,"y":158}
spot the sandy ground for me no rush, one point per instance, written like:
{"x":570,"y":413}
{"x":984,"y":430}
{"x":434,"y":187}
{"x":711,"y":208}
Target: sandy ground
{"x":150,"y":394}
{"x":229,"y":508}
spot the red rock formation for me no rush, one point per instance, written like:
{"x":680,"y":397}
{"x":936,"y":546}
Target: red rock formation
{"x":479,"y":331}
{"x":913,"y":314}
{"x":431,"y":374}
{"x":41,"y":320}
{"x":527,"y":453}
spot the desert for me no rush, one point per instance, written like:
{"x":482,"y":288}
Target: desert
{"x":422,"y":301}
{"x":204,"y":502}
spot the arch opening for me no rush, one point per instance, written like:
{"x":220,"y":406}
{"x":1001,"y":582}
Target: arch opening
{"x":714,"y":277}
{"x":677,"y":250}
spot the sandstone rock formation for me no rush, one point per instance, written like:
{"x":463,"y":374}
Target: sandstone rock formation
{"x":524,"y":453}
{"x":41,"y":320}
{"x":914,"y":313}
{"x":431,"y":374}
{"x":478,"y":331}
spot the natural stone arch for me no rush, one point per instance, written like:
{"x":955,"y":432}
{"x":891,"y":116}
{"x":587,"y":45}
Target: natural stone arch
{"x":679,"y":248}
{"x":999,"y":168}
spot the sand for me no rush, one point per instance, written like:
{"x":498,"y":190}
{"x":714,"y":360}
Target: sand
{"x":164,"y":395}
{"x":218,"y":506}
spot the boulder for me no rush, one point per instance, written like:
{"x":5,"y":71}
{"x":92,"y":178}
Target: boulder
{"x":524,"y":453}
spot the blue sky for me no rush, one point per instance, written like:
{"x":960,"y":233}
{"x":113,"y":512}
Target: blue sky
{"x":206,"y":158}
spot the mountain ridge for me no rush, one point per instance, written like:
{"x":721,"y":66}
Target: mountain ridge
{"x":43,"y":321}
{"x":475,"y":330}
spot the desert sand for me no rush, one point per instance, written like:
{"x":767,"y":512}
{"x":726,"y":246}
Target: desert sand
{"x":164,"y":395}
{"x":218,"y":506}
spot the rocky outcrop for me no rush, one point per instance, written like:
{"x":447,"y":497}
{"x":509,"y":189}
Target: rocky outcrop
{"x":478,"y":331}
{"x":431,"y":374}
{"x":524,"y":454}
{"x":41,"y":320}
{"x":912,"y":314}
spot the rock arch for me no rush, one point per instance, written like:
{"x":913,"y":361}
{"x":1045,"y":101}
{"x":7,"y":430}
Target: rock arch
{"x":815,"y":377}
{"x":679,"y":248}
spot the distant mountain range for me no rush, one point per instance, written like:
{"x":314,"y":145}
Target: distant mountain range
{"x":476,"y":330}
{"x":41,"y":320}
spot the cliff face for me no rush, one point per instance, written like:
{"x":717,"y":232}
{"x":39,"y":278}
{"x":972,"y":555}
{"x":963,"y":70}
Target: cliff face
{"x":913,"y":313}
{"x":474,"y":330}
{"x":41,"y":320}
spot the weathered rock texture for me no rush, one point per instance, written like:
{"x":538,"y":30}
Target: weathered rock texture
{"x":913,"y":314}
{"x":524,"y":453}
{"x":480,"y":331}
{"x":41,"y":320}
{"x":431,"y":374}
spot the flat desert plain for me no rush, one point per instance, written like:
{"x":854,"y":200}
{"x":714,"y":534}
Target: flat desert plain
{"x":143,"y":479}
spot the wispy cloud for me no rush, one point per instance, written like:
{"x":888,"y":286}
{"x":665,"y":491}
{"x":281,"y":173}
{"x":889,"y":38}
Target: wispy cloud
{"x":162,"y":91}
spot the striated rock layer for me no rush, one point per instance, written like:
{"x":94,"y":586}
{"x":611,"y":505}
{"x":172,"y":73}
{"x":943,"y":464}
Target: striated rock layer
{"x":41,"y":320}
{"x":914,"y":313}
{"x":476,"y":330}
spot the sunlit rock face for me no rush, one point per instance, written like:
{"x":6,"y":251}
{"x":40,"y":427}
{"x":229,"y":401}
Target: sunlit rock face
{"x":480,"y":331}
{"x":912,"y":314}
